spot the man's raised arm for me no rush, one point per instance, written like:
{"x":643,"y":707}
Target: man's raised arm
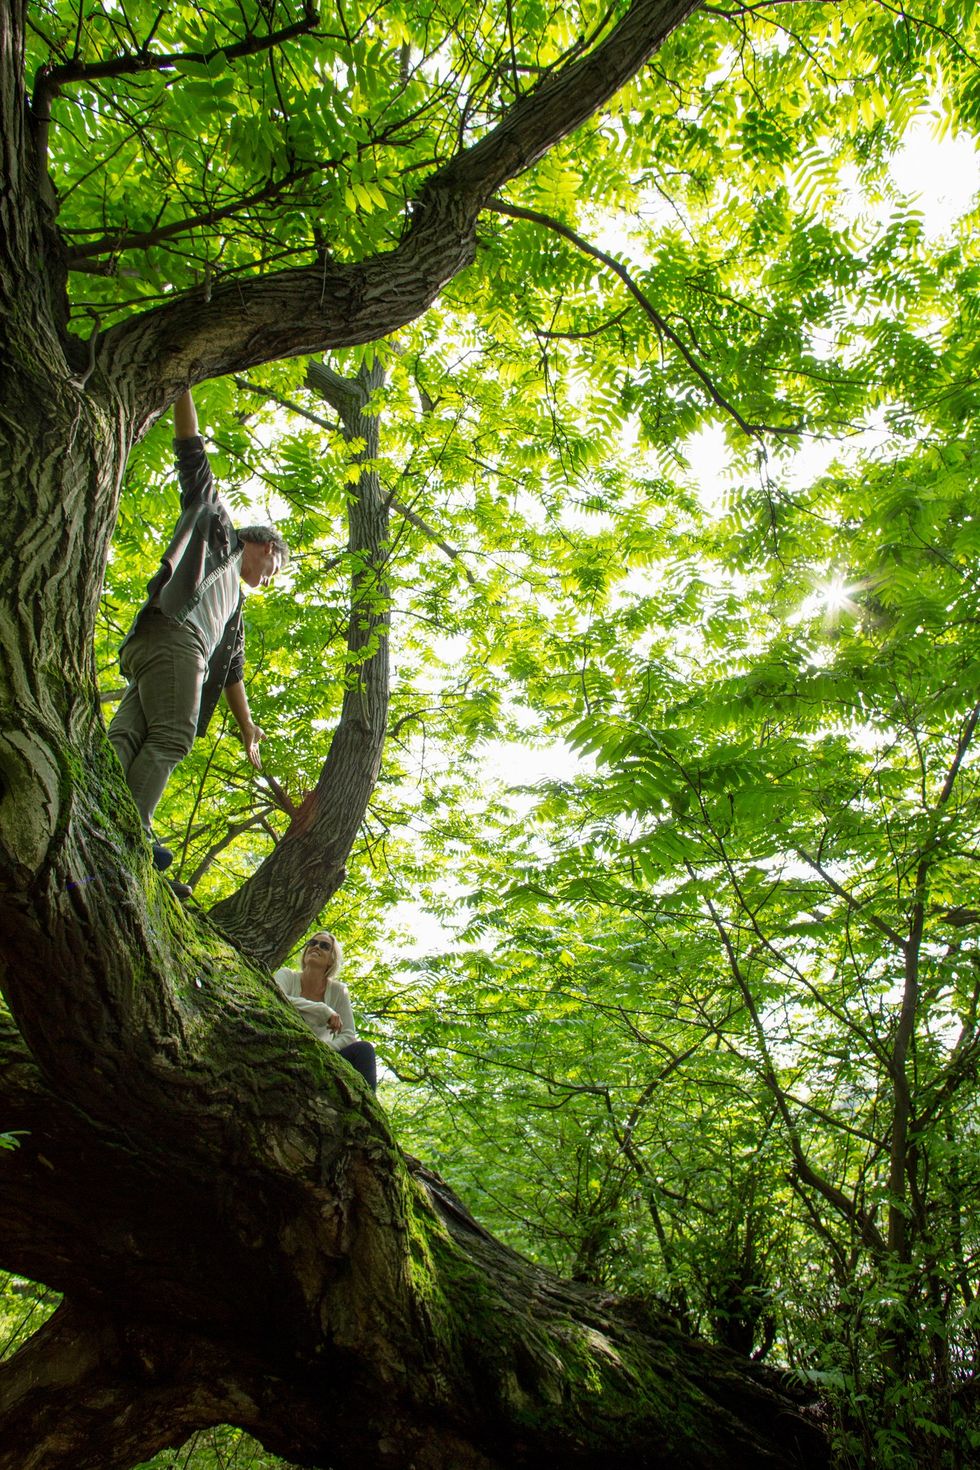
{"x":185,"y":417}
{"x":196,"y":480}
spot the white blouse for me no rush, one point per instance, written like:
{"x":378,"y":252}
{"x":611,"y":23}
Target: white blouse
{"x":317,"y":1013}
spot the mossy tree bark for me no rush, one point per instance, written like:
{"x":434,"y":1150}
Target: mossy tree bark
{"x":265,"y":1257}
{"x":235,"y":1232}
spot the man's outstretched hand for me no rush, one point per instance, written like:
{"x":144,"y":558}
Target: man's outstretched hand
{"x":251,"y":735}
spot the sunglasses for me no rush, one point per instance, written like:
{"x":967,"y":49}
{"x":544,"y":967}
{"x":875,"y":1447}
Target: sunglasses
{"x":325,"y":944}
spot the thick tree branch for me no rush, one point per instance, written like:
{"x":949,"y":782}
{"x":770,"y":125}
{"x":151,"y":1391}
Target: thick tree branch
{"x":305,"y":311}
{"x":116,"y":244}
{"x":236,"y":1265}
{"x":98,"y":1393}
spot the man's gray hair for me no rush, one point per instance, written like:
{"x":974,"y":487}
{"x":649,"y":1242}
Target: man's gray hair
{"x":264,"y":535}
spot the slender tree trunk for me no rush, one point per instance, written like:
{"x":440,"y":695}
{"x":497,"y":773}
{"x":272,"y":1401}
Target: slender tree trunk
{"x":271,"y":910}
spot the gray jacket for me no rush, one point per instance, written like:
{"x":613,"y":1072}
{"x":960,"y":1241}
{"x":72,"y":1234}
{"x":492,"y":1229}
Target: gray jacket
{"x":204,"y":539}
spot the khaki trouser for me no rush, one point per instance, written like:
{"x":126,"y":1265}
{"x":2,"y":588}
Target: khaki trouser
{"x":155,"y":724}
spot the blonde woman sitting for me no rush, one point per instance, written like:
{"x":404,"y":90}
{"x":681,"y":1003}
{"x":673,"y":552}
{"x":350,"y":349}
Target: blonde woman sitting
{"x":323,"y":1001}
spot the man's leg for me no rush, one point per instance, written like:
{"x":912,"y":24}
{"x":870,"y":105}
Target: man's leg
{"x":127,"y":733}
{"x":167,"y":667}
{"x":127,"y":729}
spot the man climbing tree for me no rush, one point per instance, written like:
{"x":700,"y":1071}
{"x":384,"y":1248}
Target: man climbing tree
{"x":187,"y":644}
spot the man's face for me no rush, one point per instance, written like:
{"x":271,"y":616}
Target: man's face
{"x":260,"y":562}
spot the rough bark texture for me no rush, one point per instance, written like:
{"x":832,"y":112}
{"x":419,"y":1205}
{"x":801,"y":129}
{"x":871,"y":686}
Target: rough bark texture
{"x":216,"y":1194}
{"x":279,"y":1267}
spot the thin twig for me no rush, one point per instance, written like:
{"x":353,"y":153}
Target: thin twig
{"x":535,"y":216}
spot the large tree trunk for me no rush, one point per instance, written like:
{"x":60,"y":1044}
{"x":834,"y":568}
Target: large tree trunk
{"x":266,"y":1259}
{"x":216,"y":1194}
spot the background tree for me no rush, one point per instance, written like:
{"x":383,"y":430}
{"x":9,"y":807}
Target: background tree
{"x":742,"y":953}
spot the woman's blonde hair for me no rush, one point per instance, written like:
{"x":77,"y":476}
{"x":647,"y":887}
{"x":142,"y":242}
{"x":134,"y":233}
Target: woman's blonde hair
{"x":338,"y":954}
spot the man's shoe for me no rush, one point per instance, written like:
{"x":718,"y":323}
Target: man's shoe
{"x":162,"y":857}
{"x":180,"y":890}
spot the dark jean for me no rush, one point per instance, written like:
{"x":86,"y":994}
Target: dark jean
{"x":154,"y":726}
{"x":361,"y":1056}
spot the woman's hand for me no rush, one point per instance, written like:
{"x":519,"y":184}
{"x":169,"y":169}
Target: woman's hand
{"x":335,"y":1023}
